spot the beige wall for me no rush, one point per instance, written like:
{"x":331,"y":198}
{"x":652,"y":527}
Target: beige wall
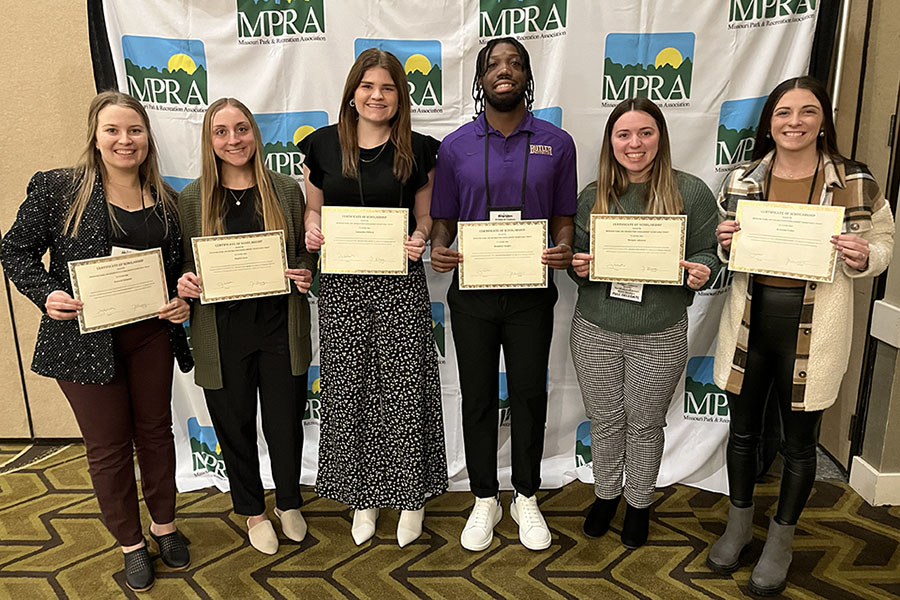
{"x":47,"y":85}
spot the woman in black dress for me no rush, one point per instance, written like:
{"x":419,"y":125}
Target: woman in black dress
{"x":382,"y":437}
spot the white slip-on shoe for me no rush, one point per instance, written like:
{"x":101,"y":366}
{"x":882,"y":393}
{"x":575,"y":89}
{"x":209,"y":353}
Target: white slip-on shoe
{"x":409,"y":527}
{"x":479,"y":530}
{"x":292,"y":524}
{"x":533,"y":531}
{"x":363,"y":526}
{"x":262,"y":537}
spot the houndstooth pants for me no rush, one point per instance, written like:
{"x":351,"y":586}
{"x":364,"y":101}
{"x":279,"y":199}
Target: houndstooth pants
{"x":627,"y":382}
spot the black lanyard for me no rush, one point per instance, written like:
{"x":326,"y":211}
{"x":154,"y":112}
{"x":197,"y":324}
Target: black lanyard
{"x":487,"y":185}
{"x":812,"y":185}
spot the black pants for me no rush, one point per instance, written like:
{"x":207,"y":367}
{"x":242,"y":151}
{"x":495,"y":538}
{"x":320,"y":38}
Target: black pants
{"x":253,"y":351}
{"x":521,"y":321}
{"x":774,"y":322}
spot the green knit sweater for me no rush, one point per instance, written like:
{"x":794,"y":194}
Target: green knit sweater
{"x":662,"y":305}
{"x":204,"y":332}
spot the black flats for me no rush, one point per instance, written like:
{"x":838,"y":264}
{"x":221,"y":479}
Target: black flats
{"x":172,"y":548}
{"x":139,"y":574}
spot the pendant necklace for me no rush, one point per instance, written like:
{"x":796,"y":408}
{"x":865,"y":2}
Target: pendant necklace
{"x":237,"y":200}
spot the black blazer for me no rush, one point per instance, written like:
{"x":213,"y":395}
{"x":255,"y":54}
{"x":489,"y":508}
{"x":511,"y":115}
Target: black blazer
{"x":62,"y":352}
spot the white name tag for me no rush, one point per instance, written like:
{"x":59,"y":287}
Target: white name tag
{"x":632,"y":292}
{"x":119,"y":251}
{"x":506,"y":215}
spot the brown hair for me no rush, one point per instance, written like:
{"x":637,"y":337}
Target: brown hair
{"x":212,"y":194}
{"x":90,"y":163}
{"x":663,"y":197}
{"x":401,"y":127}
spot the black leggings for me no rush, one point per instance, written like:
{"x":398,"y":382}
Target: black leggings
{"x":774,"y":322}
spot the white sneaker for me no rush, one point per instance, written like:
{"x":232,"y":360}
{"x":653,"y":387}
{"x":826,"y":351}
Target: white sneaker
{"x":533,"y":531}
{"x":479,"y":530}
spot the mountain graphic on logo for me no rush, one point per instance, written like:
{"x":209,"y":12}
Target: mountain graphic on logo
{"x":438,"y":327}
{"x":282,"y":133}
{"x":583,"y":444}
{"x":164,"y":70}
{"x":658,"y":66}
{"x":738,"y":122}
{"x":421,"y":59}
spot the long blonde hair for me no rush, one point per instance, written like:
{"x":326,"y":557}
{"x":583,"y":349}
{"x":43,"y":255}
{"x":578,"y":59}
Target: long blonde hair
{"x":663,"y":197}
{"x":212,"y":203}
{"x":90,"y":163}
{"x":401,"y":123}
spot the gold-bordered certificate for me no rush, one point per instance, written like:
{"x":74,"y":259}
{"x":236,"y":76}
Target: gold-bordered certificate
{"x":502,"y":254}
{"x":118,"y":290}
{"x":786,"y":239}
{"x":642,"y":249}
{"x":364,"y":240}
{"x":241,"y":265}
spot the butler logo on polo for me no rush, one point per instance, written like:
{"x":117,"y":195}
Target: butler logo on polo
{"x":282,"y":132}
{"x":421,"y":59}
{"x":279,"y":21}
{"x":165,"y":73}
{"x":313,"y":393}
{"x":206,"y":454}
{"x":438,"y":327}
{"x":524,"y":19}
{"x":657,"y":66}
{"x":738,"y":121}
{"x":703,"y":400}
{"x":743,"y":14}
{"x":583,"y":444}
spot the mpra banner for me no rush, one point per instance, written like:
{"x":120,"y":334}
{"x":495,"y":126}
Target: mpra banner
{"x":735,"y":139}
{"x":703,"y":400}
{"x":313,"y":395}
{"x":421,"y":59}
{"x":165,"y":73}
{"x":583,"y":444}
{"x":281,"y":134}
{"x":658,"y":66}
{"x":280,"y":21}
{"x":439,"y":328}
{"x":522,"y":19}
{"x":745,"y":14}
{"x":206,"y":454}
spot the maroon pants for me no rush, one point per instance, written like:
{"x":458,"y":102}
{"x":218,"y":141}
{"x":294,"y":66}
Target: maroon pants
{"x":131,"y":411}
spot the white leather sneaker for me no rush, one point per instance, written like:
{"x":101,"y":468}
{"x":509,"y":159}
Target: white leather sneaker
{"x":479,"y":530}
{"x":533,"y":531}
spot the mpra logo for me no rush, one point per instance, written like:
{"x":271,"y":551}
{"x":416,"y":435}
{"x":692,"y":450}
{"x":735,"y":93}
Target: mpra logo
{"x":421,"y":59}
{"x":658,"y":66}
{"x":583,"y":444}
{"x":163,"y":73}
{"x":313,"y":393}
{"x":551,"y":114}
{"x":759,"y":13}
{"x":205,"y":451}
{"x":738,"y":122}
{"x":276,"y":21}
{"x":281,"y":135}
{"x":703,"y":400}
{"x":438,"y":327}
{"x":519,"y":18}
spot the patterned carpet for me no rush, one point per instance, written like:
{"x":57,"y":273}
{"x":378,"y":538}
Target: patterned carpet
{"x":53,"y":545}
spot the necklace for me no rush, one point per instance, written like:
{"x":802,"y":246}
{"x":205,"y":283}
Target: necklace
{"x":237,"y":200}
{"x":374,"y":158}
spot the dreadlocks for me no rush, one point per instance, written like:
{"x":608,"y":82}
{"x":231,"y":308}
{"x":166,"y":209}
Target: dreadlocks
{"x":481,"y":67}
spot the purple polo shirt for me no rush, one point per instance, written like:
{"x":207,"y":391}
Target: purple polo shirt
{"x":459,"y":177}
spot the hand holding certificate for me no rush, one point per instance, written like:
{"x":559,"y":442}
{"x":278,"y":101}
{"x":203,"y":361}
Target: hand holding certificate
{"x":502,"y":254}
{"x":638,"y":248}
{"x":240,"y":266}
{"x":364,"y":240}
{"x":786,"y":239}
{"x":118,"y":290}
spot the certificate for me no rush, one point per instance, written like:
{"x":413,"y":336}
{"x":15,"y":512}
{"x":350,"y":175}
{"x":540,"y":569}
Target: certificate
{"x":117,"y":290}
{"x":364,"y":241}
{"x":638,"y":248}
{"x":786,"y":239}
{"x":241,"y":265}
{"x":502,"y":254}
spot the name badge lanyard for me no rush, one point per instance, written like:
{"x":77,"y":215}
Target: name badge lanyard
{"x":487,"y":185}
{"x":812,"y":185}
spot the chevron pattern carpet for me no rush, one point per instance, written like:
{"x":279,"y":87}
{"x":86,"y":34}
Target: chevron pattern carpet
{"x":53,"y":545}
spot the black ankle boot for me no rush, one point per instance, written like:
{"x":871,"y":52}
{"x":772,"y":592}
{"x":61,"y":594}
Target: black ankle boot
{"x":139,"y":574}
{"x":636,"y":527}
{"x":596,"y":523}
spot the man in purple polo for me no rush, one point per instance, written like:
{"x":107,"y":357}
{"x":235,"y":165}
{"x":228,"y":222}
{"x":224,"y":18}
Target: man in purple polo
{"x":507,"y":164}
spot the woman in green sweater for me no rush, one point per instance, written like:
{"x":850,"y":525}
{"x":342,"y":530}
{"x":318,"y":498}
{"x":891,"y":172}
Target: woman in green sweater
{"x":629,"y":343}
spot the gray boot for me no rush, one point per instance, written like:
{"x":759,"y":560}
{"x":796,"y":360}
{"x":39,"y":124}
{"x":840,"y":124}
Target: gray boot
{"x":723,"y":555}
{"x":770,"y":572}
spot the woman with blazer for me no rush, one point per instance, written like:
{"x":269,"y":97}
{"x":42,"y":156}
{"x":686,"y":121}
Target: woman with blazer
{"x":253,"y":346}
{"x":790,"y":336}
{"x":118,"y":381}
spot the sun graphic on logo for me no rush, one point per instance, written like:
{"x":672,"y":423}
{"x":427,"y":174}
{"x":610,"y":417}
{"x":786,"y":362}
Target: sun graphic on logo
{"x":302,"y":132}
{"x":669,"y":56}
{"x":316,"y":386}
{"x":183,"y":62}
{"x":417,"y":62}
